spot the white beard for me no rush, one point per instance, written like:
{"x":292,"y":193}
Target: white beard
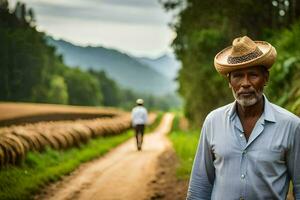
{"x":245,"y":102}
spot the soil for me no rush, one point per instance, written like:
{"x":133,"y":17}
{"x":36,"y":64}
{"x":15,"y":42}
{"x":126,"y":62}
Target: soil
{"x":123,"y":173}
{"x":22,"y":113}
{"x":166,"y":186}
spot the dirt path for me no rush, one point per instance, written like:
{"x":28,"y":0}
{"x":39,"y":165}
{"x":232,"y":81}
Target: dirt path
{"x":166,"y":185}
{"x":124,"y":173}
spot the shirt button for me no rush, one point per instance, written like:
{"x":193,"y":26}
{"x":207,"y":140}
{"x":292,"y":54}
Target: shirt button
{"x":241,"y":135}
{"x":243,"y":176}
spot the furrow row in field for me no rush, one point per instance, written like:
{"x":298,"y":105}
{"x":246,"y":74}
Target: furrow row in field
{"x":16,"y":141}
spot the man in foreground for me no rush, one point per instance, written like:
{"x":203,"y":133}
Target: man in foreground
{"x":139,"y":118}
{"x":249,"y":149}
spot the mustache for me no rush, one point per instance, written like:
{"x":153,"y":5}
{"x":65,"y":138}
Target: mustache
{"x":250,"y":91}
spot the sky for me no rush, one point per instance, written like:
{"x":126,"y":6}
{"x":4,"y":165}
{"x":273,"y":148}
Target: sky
{"x":136,"y":27}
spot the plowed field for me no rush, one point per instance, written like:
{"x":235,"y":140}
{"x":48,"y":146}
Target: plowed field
{"x":20,"y":113}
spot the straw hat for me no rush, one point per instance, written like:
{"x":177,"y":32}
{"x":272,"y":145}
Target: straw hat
{"x":243,"y":53}
{"x":140,"y":101}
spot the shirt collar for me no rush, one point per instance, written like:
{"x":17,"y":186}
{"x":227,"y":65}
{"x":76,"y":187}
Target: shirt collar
{"x":232,"y":111}
{"x":268,"y":113}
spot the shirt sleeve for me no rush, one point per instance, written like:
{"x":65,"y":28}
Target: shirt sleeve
{"x":293,"y":158}
{"x":203,"y":172}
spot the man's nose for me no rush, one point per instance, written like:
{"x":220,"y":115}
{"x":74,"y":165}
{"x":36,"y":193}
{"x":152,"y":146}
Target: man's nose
{"x":245,"y":82}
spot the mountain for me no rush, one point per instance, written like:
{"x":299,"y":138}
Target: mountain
{"x":166,"y":65}
{"x":127,"y":71}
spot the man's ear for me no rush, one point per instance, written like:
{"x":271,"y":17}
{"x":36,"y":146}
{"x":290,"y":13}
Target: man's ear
{"x":267,"y":74}
{"x":228,"y":79}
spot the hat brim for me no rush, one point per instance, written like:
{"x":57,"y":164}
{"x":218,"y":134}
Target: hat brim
{"x":267,"y":59}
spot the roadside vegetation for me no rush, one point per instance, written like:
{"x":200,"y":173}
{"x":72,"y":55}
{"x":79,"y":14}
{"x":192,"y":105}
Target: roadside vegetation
{"x":154,"y":125}
{"x":203,"y":28}
{"x":185,"y":144}
{"x":38,"y":169}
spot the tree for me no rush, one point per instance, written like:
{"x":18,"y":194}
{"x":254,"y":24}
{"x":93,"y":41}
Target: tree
{"x":203,"y":28}
{"x":58,"y":91}
{"x":3,"y":5}
{"x":83,"y":88}
{"x":28,"y":65}
{"x":109,"y":89}
{"x":31,"y":17}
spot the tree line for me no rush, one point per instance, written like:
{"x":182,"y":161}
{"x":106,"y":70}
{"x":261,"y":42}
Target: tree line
{"x":31,"y":71}
{"x":203,"y":28}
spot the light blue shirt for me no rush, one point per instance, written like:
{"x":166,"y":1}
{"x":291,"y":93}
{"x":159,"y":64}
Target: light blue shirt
{"x":229,"y":167}
{"x":139,"y":115}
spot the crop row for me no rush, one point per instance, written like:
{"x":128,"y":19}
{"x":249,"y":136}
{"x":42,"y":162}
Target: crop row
{"x":16,"y":141}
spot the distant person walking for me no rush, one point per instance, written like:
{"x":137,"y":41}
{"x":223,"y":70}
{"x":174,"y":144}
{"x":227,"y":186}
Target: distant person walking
{"x":139,"y":116}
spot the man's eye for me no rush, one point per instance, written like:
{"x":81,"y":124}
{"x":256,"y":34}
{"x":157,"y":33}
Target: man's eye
{"x":237,"y":75}
{"x":254,"y":75}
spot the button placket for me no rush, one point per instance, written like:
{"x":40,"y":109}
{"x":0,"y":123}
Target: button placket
{"x":243,"y":164}
{"x":242,"y":139}
{"x":243,"y":172}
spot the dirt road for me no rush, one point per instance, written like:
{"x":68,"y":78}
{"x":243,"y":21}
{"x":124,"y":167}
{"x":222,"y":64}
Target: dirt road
{"x":124,"y":173}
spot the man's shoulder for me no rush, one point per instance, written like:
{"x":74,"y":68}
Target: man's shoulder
{"x":220,"y":112}
{"x":134,"y":108}
{"x":139,"y":108}
{"x":284,"y":115}
{"x":142,"y":108}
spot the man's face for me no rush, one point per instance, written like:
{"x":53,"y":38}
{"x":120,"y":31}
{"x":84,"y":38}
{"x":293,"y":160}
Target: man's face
{"x":247,"y":84}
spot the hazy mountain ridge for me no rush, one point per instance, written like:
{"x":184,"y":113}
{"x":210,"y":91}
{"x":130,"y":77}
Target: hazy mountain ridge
{"x":165,"y":64}
{"x":127,"y":71}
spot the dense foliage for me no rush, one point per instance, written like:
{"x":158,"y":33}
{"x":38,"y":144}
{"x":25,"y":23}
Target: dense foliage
{"x":31,"y":70}
{"x":204,"y":28}
{"x":284,"y":84}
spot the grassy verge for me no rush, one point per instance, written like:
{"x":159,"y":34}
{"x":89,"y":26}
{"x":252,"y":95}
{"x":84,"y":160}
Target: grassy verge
{"x":40,"y":168}
{"x":185,"y":144}
{"x":155,"y":123}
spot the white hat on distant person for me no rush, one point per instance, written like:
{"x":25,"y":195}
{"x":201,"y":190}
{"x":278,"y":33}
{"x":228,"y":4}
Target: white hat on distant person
{"x":140,"y":101}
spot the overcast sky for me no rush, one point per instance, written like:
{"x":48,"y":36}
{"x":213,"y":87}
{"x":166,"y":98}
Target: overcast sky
{"x":137,"y":27}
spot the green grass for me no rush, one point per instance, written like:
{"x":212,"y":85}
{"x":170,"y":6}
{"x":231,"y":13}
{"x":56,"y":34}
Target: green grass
{"x":40,"y":168}
{"x":155,"y":123}
{"x":175,"y":125}
{"x":185,"y":145}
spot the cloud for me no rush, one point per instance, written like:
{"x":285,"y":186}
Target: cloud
{"x":136,"y":26}
{"x":113,"y":11}
{"x":132,"y":3}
